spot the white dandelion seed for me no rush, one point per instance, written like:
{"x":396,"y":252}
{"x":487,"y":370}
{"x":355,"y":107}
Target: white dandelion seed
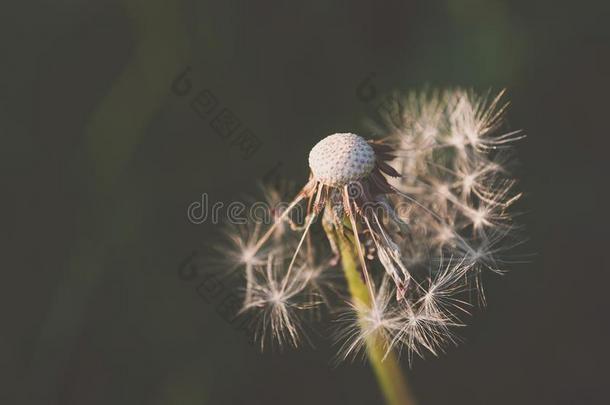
{"x":276,"y":299}
{"x":355,"y":325}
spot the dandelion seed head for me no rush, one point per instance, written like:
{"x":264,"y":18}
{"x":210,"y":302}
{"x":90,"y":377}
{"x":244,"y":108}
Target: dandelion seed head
{"x":439,"y":187}
{"x":340,"y":159}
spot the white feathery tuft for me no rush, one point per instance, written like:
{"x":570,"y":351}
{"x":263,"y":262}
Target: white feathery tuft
{"x":451,"y":197}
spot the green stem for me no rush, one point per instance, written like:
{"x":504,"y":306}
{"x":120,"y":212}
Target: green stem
{"x":391,"y":379}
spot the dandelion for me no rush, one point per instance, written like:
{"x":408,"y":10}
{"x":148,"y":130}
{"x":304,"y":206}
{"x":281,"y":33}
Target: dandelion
{"x":276,"y":299}
{"x":414,"y":218}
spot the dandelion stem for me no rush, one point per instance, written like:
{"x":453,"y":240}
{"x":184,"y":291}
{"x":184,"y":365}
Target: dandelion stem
{"x":391,"y":379}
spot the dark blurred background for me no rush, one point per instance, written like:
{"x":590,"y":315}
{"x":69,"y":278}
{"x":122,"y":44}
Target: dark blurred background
{"x":101,"y":160}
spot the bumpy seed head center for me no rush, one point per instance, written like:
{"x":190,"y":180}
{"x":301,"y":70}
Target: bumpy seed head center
{"x":340,"y":159}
